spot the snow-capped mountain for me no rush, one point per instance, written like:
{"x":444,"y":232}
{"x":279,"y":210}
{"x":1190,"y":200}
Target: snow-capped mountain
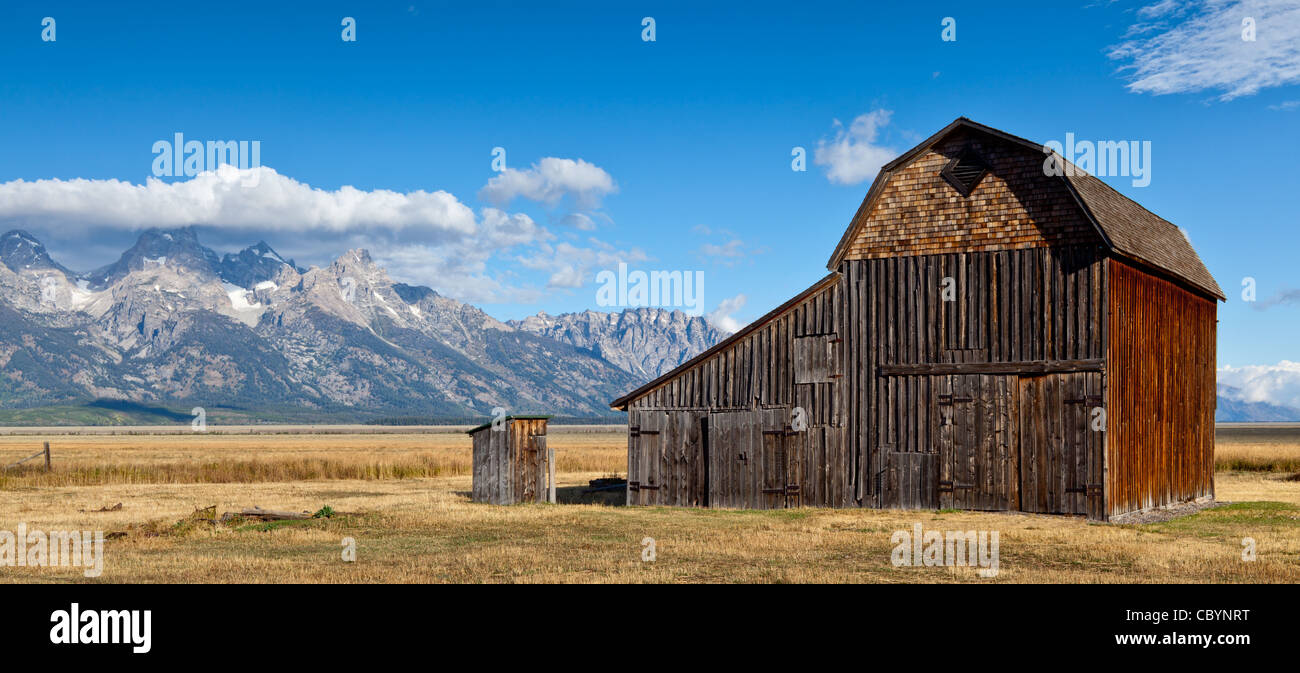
{"x":173,"y":322}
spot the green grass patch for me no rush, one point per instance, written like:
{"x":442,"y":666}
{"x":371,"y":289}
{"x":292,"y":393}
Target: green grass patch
{"x":1229,"y":521}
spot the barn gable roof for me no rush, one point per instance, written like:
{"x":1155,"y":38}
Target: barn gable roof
{"x":1126,"y":227}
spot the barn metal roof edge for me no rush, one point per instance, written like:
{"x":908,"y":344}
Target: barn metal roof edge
{"x":1183,"y":276}
{"x":621,"y":403}
{"x":520,"y":417}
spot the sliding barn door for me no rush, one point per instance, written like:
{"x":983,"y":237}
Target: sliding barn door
{"x":977,"y":441}
{"x":1061,"y":443}
{"x":735,"y":460}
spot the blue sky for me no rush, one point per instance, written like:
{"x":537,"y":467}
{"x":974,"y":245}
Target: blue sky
{"x":673,"y":154}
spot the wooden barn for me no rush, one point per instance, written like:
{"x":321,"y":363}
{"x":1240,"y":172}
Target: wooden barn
{"x":511,"y":461}
{"x":991,"y":336}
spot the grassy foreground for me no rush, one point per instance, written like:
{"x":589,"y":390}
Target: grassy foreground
{"x":412,"y":521}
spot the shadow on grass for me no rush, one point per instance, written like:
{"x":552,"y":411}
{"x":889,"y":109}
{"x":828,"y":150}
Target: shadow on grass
{"x":578,"y":495}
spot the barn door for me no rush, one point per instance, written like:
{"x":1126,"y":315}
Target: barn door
{"x":633,"y":455}
{"x":977,"y":461}
{"x":735,"y":459}
{"x":1060,"y":453}
{"x":781,"y":460}
{"x":645,"y":489}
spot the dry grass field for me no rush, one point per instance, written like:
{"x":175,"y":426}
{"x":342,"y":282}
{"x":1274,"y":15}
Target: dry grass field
{"x":405,"y":503}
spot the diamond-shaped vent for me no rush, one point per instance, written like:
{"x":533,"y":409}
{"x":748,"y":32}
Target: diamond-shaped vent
{"x":966,"y":171}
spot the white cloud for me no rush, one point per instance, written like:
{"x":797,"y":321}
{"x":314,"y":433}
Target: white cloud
{"x":550,"y":180}
{"x":733,"y":248}
{"x":231,"y":198}
{"x":722,"y":317}
{"x":579,"y":221}
{"x":426,"y":238}
{"x":731,"y":253}
{"x":1286,"y":106}
{"x":852,"y":155}
{"x":1281,"y":298}
{"x":1200,"y":47}
{"x":1275,"y":384}
{"x":572,"y":266}
{"x":1158,"y":9}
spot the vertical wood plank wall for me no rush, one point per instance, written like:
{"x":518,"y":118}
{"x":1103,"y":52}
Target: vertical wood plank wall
{"x":913,"y":401}
{"x":1160,"y":392}
{"x":1009,"y":306}
{"x":736,"y":402}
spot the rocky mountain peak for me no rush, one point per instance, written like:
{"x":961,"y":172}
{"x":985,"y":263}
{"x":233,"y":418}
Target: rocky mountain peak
{"x":644,"y":341}
{"x":253,"y":265}
{"x":173,"y":248}
{"x":20,"y":251}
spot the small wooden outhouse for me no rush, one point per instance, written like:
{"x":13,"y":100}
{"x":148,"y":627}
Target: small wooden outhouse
{"x":511,"y":461}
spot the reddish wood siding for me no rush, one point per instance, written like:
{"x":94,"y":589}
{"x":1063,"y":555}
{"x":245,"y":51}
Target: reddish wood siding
{"x":1159,"y":392}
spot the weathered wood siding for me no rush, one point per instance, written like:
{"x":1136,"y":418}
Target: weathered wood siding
{"x":756,"y":425}
{"x":985,"y":351}
{"x":939,"y":376}
{"x":1160,"y":392}
{"x":510,"y":465}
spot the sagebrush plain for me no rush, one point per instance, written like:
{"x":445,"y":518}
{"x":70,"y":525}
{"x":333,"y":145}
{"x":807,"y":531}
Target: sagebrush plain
{"x":403,"y":497}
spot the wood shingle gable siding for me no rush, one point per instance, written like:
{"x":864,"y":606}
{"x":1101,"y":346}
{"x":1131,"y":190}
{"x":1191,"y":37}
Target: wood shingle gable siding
{"x":1120,"y":223}
{"x":1014,"y":207}
{"x":1071,"y":305}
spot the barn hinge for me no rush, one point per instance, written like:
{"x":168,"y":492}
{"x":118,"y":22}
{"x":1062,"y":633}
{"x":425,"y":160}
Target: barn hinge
{"x":649,"y":432}
{"x":634,"y":430}
{"x":633,"y":485}
{"x":949,"y":399}
{"x":1086,"y":399}
{"x":774,"y":432}
{"x":788,"y":489}
{"x":649,"y":487}
{"x":949,"y":487}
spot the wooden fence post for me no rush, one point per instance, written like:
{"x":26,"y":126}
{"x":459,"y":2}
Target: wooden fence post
{"x":47,"y":456}
{"x":550,"y":475}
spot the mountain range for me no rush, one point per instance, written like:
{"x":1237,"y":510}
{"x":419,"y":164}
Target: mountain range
{"x":1232,"y":407}
{"x":171,"y":322}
